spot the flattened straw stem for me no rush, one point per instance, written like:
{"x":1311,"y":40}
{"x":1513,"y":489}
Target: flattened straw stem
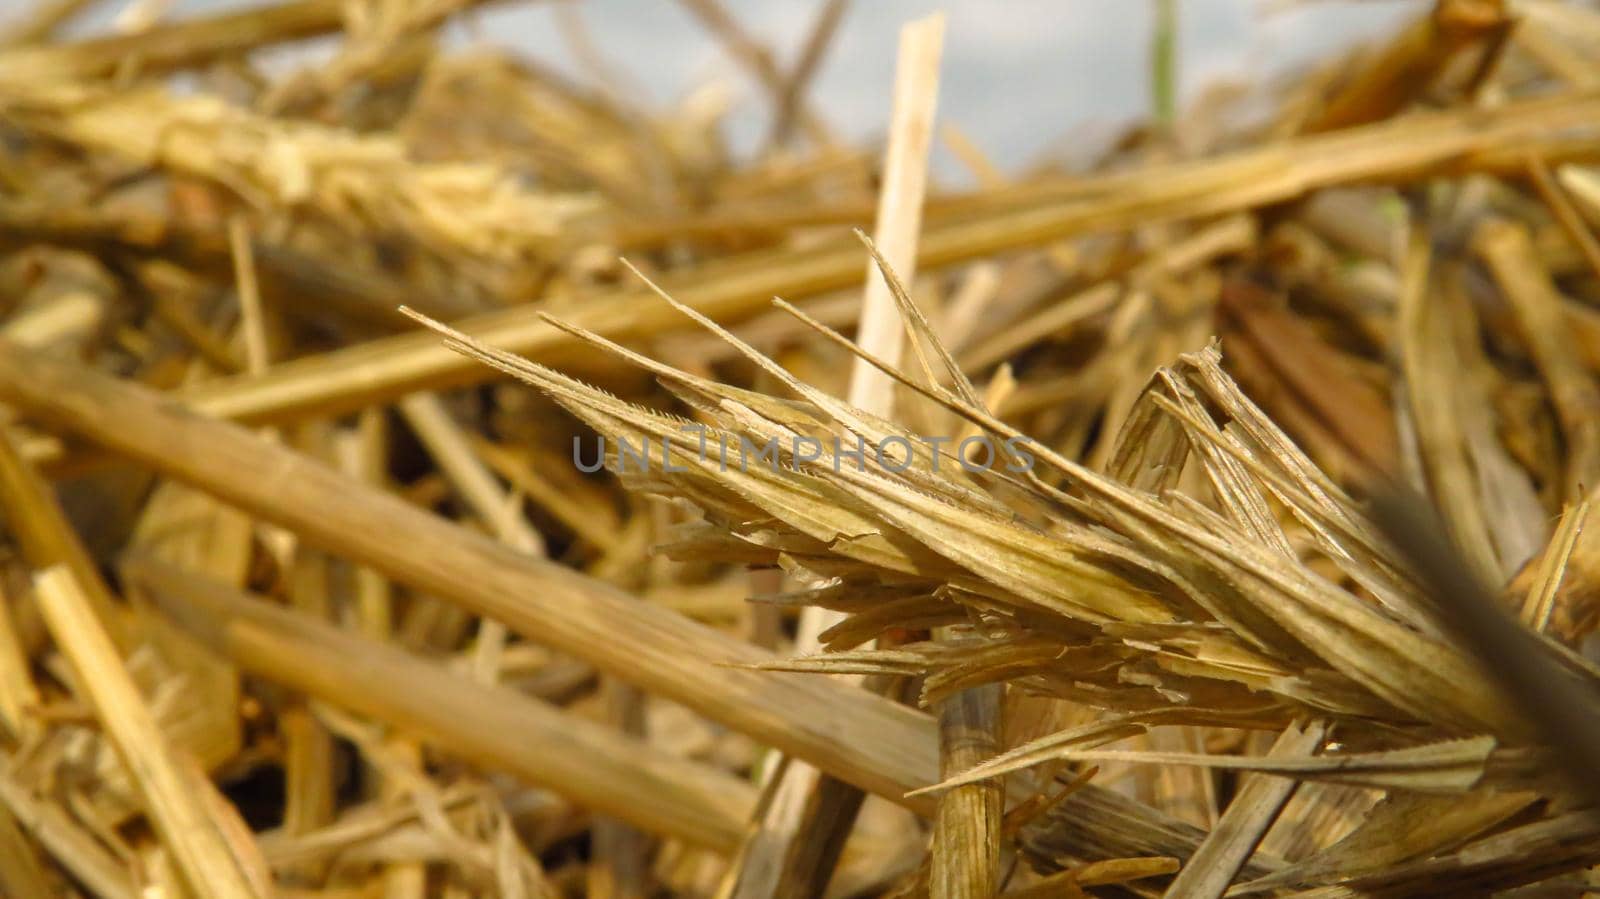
{"x":899,"y":217}
{"x":788,"y":826}
{"x":966,"y":846}
{"x":905,"y":177}
{"x":1208,"y":873}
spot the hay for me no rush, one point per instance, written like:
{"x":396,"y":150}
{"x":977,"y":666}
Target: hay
{"x":1209,"y":520}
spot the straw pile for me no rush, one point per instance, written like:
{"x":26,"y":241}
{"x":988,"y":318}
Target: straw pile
{"x":1042,"y":539}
